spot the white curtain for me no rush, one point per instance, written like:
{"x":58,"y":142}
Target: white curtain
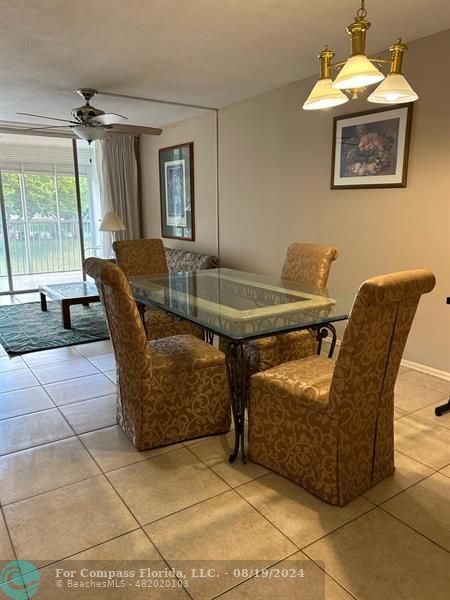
{"x":117,"y":170}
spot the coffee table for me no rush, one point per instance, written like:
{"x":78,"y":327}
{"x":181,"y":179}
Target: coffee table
{"x":79,"y":292}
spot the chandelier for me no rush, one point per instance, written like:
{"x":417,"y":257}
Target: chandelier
{"x":359,"y":71}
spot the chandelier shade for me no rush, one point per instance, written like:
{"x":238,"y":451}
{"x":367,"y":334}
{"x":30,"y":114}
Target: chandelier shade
{"x":357,"y":72}
{"x":324,"y":96}
{"x":395,"y":89}
{"x":360,"y":71}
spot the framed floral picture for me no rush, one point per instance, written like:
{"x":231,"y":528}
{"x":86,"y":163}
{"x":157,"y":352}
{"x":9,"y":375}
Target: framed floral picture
{"x":176,"y":181}
{"x":370,"y":149}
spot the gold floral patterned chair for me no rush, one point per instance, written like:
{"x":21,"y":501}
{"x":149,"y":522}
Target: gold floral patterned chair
{"x":147,"y":257}
{"x":170,"y":389}
{"x":329,"y":425}
{"x":304,"y":263}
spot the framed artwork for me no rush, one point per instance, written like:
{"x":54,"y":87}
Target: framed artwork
{"x":176,"y":181}
{"x":370,"y":149}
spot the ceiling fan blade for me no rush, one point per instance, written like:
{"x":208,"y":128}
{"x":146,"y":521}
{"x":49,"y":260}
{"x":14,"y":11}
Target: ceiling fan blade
{"x":136,"y":130}
{"x":107,"y":119}
{"x":44,"y":117}
{"x":40,"y":128}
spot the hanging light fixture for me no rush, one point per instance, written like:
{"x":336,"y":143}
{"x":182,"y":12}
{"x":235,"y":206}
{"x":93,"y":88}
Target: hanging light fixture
{"x":359,"y":71}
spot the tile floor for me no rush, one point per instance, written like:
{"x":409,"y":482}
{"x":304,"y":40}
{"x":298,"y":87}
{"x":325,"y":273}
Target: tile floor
{"x":73,"y":490}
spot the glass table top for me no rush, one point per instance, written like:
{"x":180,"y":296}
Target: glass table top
{"x":241,"y":305}
{"x":66,"y":291}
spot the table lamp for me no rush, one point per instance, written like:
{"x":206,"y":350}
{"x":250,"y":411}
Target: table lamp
{"x":111,"y":222}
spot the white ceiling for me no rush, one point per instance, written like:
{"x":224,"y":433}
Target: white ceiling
{"x":207,"y":52}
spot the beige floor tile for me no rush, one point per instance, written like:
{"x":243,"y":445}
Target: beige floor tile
{"x":411,"y":396}
{"x":314,"y":585}
{"x":428,"y":413}
{"x":11,"y":364}
{"x":6,"y":549}
{"x":297,"y":513}
{"x":167,"y":483}
{"x":112,"y":375}
{"x":6,"y":300}
{"x":422,"y":440}
{"x":398,"y":412}
{"x":31,"y":430}
{"x":215,"y":451}
{"x":91,"y":414}
{"x":51,"y":357}
{"x":222,"y":533}
{"x":21,"y":402}
{"x":60,"y":523}
{"x":378,"y":558}
{"x":37,"y":470}
{"x":131,"y":551}
{"x":28,"y":297}
{"x":95,"y":348}
{"x":104,"y":362}
{"x":426,"y":508}
{"x":74,"y":390}
{"x":70,"y":369}
{"x":17,"y":380}
{"x":445,"y":471}
{"x":434,"y":383}
{"x":112,"y":449}
{"x":407,"y":473}
{"x":5,"y":588}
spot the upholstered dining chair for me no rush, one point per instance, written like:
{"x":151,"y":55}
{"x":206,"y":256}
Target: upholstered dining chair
{"x":147,"y":257}
{"x":328,"y":425}
{"x":170,"y":389}
{"x":304,"y":263}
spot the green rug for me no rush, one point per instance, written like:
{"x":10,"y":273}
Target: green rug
{"x":25,"y":328}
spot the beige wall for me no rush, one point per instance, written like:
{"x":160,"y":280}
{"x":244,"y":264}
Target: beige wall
{"x":202,"y":131}
{"x":274,"y":189}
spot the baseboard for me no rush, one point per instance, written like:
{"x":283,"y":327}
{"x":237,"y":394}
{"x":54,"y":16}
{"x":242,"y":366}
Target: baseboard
{"x":426,"y":369}
{"x":409,"y":364}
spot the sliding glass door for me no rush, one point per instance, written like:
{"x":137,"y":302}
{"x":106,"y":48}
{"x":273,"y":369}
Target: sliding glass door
{"x":47,"y":210}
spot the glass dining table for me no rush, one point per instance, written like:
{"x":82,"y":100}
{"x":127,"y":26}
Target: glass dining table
{"x":242,"y":307}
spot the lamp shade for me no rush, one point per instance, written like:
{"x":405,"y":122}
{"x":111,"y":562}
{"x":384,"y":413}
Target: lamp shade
{"x":88,"y":133}
{"x":395,"y":89}
{"x":357,"y":72}
{"x":111,"y":222}
{"x":324,"y":96}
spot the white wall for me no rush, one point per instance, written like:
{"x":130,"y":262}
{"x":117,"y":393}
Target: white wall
{"x":275,"y":188}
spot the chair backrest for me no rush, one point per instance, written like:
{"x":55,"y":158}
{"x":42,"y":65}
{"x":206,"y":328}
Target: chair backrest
{"x":141,"y":257}
{"x":124,"y":322}
{"x":309,"y":263}
{"x":362,"y":389}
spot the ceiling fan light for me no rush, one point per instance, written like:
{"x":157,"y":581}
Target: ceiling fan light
{"x":395,"y":89}
{"x":324,"y":96}
{"x":357,"y":72}
{"x":88,"y":133}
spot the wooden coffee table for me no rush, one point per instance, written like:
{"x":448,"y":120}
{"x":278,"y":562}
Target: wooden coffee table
{"x":79,"y":292}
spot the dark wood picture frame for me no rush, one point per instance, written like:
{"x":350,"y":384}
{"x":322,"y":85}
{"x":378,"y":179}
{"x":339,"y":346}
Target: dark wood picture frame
{"x":180,"y":158}
{"x":399,"y":179}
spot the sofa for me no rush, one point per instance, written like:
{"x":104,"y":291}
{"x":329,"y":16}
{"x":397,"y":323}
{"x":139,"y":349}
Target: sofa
{"x":185,"y":260}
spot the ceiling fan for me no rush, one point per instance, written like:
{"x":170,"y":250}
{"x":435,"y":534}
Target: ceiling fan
{"x":90,"y":123}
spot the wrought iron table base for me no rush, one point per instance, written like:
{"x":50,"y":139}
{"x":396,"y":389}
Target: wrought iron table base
{"x":237,"y":374}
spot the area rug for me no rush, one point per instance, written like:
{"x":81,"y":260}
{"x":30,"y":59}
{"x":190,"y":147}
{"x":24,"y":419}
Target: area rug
{"x":26,"y":328}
